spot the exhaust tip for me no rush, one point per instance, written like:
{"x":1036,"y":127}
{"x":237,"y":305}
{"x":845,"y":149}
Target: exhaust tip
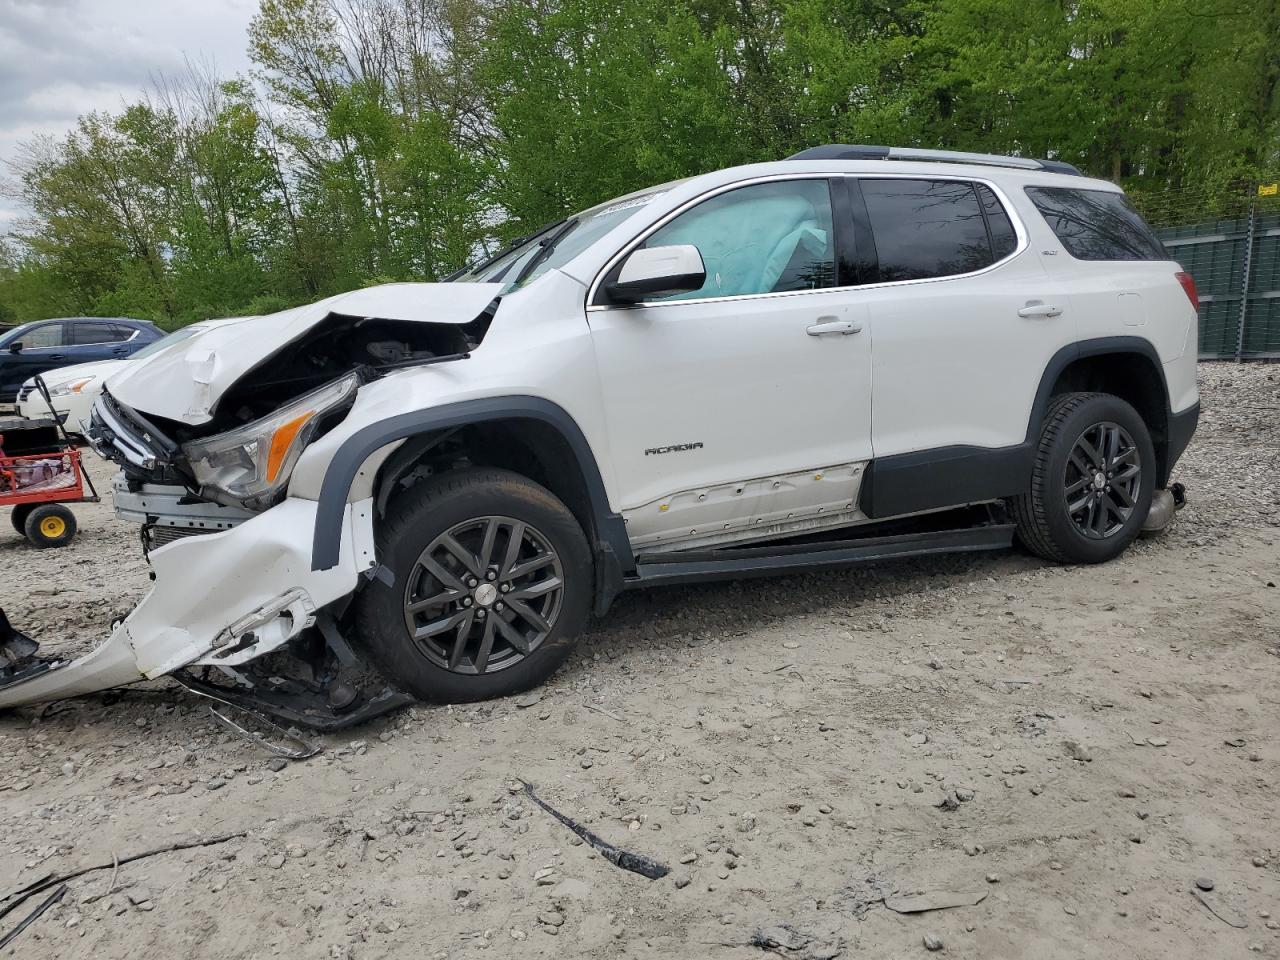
{"x":1164,"y":504}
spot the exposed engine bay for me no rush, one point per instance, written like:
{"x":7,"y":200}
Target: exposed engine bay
{"x":341,"y":352}
{"x":338,"y":345}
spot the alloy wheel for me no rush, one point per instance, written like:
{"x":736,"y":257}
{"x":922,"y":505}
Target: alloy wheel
{"x":484,"y":595}
{"x":1102,"y":480}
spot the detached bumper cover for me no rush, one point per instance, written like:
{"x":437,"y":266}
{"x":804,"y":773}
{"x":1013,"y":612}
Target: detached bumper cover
{"x":203,"y":586}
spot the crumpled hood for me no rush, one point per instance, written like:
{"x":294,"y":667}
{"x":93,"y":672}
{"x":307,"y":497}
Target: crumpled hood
{"x":184,"y":383}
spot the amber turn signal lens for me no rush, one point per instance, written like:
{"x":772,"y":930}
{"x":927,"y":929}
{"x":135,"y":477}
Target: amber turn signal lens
{"x":281,"y":440}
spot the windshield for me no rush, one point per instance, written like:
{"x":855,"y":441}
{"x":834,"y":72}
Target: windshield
{"x":165,"y":342}
{"x":555,"y":245}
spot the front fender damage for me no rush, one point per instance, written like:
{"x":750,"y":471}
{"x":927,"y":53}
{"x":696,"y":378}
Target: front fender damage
{"x":219,"y":599}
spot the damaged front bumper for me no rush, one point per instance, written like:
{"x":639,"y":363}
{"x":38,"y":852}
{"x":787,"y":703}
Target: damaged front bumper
{"x":219,"y":599}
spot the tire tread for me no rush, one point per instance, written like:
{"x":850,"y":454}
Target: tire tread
{"x":1028,"y":508}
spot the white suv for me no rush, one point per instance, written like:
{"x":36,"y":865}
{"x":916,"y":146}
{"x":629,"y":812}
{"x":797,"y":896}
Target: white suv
{"x":855,"y":353}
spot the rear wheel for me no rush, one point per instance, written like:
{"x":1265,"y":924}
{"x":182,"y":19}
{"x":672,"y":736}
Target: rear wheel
{"x":492,"y":585}
{"x":18,"y":517}
{"x":1092,"y":482}
{"x":50,"y":525}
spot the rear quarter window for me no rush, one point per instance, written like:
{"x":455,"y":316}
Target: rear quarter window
{"x":1096,"y":224}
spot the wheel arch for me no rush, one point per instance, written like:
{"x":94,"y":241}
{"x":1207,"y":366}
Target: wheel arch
{"x":1127,"y":367}
{"x":549,"y":446}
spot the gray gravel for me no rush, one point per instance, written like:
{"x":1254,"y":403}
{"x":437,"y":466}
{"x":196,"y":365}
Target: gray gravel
{"x":780,"y":743}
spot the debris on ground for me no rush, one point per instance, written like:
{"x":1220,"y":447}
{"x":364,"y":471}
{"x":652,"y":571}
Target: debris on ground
{"x":11,"y":900}
{"x":1077,"y":751}
{"x":288,"y":745}
{"x":786,"y":941}
{"x":780,"y":937}
{"x":856,"y":900}
{"x":30,"y":918}
{"x":635,"y":862}
{"x":1226,"y":914}
{"x":933,"y":900}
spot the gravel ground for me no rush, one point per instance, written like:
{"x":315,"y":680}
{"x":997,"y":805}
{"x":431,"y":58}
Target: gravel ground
{"x":1075,"y":745}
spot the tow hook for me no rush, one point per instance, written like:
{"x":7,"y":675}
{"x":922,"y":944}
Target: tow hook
{"x":1164,"y":504}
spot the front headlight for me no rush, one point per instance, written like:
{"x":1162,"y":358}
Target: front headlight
{"x":73,"y":386}
{"x":248,"y":466}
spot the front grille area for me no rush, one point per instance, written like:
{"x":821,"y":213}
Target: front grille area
{"x":155,"y":535}
{"x":117,"y":434}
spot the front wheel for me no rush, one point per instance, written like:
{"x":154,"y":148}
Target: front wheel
{"x":1092,"y":482}
{"x":491,"y":587}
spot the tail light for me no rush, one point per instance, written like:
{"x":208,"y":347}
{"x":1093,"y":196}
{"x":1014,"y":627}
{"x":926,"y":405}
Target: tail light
{"x":1189,"y":288}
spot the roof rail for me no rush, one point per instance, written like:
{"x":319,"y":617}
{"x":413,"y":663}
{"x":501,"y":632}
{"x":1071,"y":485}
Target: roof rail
{"x":848,"y":151}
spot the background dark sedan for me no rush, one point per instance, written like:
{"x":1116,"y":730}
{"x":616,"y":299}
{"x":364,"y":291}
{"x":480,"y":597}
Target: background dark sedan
{"x":48,"y":344}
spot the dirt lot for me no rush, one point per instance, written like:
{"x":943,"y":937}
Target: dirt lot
{"x":1110,"y":735}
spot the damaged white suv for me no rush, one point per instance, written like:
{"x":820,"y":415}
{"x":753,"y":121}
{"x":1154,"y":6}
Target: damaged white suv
{"x":853,"y":354}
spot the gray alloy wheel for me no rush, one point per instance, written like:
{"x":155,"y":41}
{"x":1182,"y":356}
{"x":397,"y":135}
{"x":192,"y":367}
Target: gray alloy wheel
{"x":484,"y":595}
{"x":1092,"y":480}
{"x":1103,"y":479}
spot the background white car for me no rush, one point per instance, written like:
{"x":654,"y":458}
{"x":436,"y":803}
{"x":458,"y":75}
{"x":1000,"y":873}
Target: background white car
{"x":73,"y":389}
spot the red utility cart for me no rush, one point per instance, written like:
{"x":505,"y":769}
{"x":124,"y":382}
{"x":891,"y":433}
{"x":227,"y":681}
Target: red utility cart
{"x":40,"y":473}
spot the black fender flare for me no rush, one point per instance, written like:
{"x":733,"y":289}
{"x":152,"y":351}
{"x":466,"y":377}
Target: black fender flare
{"x":612,"y":546}
{"x":1078,"y":351}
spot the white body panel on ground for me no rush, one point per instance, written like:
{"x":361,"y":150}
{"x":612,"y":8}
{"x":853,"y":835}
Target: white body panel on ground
{"x":202,"y":586}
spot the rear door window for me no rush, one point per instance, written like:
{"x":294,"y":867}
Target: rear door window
{"x":925,"y":229}
{"x":1096,"y":224}
{"x":89,"y":333}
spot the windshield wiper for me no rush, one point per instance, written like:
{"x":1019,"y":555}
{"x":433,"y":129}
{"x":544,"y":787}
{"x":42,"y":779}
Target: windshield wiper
{"x":548,"y":247}
{"x":509,"y":247}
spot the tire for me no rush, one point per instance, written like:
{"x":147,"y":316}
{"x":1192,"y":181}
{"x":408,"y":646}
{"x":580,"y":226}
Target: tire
{"x":1117,"y":501}
{"x":50,"y":525}
{"x":18,"y":517}
{"x":471,"y":510}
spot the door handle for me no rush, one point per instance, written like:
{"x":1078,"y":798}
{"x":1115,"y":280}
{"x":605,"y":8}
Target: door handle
{"x":1036,"y":310}
{"x":57,"y":356}
{"x":828,"y":325}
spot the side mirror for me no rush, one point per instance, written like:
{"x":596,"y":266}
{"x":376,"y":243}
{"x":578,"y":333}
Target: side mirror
{"x":15,"y":347}
{"x":657,"y":272}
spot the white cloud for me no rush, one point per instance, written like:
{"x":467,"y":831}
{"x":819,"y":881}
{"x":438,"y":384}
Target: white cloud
{"x":62,"y":58}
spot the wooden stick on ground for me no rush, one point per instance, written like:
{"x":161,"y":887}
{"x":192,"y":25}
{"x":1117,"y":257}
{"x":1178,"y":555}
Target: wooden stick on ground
{"x":23,"y":893}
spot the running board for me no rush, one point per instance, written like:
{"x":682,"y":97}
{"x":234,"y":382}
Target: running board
{"x":764,"y":561}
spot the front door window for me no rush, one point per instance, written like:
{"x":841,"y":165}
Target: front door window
{"x":764,"y":238}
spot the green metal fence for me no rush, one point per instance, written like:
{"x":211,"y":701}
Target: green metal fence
{"x":1235,"y":260}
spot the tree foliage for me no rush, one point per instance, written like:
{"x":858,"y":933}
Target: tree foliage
{"x":398,"y":139}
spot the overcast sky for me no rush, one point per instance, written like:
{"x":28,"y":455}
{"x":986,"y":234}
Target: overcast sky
{"x":62,"y":58}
